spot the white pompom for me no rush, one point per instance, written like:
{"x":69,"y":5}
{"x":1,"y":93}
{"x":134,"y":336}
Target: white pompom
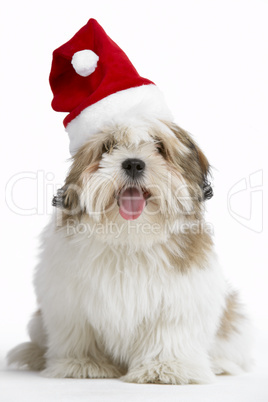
{"x":85,"y":62}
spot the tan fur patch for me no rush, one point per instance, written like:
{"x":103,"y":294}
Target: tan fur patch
{"x":187,"y":250}
{"x":231,"y":317}
{"x":86,"y":160}
{"x":193,"y":164}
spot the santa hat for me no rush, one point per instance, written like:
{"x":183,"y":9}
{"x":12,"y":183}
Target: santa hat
{"x":93,"y":80}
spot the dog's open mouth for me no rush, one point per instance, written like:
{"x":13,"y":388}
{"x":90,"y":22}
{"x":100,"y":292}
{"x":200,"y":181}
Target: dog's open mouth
{"x":132,"y":202}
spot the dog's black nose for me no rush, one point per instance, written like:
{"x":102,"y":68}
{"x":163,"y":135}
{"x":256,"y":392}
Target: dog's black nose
{"x":133,"y":167}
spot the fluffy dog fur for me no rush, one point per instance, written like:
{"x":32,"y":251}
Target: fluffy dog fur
{"x":144,"y":300}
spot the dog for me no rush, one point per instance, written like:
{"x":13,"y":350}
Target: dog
{"x":148,"y":302}
{"x":128,"y":284}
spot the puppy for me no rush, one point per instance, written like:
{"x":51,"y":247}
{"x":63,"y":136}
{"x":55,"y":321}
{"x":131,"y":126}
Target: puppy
{"x":128,"y":284}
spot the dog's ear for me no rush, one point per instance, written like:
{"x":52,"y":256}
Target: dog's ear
{"x":84,"y":162}
{"x":67,"y":199}
{"x":195,"y":164}
{"x":206,"y":173}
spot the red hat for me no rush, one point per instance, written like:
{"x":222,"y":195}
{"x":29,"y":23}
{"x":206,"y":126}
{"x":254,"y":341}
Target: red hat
{"x":93,"y":80}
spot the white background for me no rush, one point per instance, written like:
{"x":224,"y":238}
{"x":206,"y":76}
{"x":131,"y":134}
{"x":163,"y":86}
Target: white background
{"x":210,"y":58}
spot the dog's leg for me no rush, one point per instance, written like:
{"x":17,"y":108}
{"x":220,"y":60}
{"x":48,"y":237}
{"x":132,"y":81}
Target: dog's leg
{"x":73,"y":351}
{"x":231,"y":349}
{"x":169,"y":356}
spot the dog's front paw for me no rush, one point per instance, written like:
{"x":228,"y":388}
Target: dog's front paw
{"x":171,"y":372}
{"x":80,"y":368}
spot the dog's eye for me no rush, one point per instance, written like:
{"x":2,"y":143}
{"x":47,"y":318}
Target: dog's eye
{"x":160,"y":148}
{"x":108,"y":147}
{"x":104,"y":149}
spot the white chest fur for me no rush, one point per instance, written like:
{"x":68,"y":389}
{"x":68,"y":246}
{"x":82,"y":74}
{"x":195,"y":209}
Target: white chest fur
{"x":119,"y":293}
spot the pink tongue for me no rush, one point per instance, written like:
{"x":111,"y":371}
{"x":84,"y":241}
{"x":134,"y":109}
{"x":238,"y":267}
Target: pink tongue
{"x":131,"y":203}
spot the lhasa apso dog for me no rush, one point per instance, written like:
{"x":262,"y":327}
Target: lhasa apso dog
{"x":128,"y":283}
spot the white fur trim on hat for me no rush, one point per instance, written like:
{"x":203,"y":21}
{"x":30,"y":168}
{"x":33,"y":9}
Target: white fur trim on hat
{"x":129,"y":106}
{"x":85,"y":62}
